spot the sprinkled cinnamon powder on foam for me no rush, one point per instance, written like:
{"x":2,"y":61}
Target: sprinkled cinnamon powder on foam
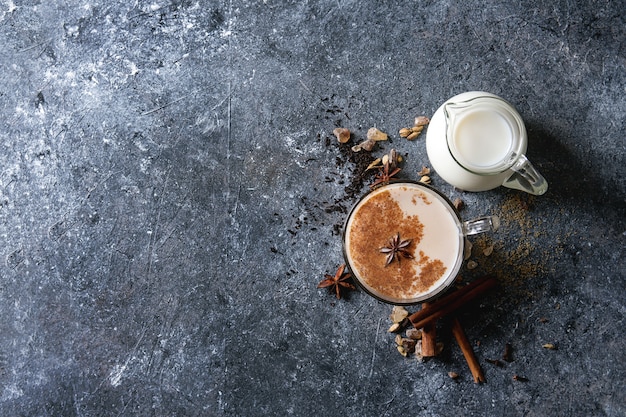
{"x":423,"y":197}
{"x":380,"y":218}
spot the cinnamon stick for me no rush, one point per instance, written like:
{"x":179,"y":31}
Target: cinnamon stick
{"x":468,"y":352}
{"x":451,"y":302}
{"x":429,"y":338}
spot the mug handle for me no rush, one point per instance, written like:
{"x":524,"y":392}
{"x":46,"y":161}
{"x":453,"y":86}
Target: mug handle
{"x":481,"y":225}
{"x":526,"y":178}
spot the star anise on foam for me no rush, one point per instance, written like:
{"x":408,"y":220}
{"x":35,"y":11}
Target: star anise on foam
{"x":338,"y":282}
{"x":396,"y":248}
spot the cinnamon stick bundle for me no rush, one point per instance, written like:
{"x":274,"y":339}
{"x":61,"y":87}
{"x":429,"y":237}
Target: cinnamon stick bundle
{"x":426,"y":318}
{"x":451,"y":302}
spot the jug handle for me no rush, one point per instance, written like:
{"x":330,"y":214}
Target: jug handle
{"x":526,"y":178}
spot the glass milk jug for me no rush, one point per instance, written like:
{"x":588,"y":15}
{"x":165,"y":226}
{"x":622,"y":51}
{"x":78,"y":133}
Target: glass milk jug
{"x":476,"y":142}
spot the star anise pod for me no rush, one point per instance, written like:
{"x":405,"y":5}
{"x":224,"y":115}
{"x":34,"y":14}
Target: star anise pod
{"x":396,"y":248}
{"x":338,"y":282}
{"x":388,"y":170}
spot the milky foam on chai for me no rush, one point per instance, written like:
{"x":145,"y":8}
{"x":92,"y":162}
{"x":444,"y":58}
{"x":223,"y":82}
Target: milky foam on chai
{"x":417,"y":213}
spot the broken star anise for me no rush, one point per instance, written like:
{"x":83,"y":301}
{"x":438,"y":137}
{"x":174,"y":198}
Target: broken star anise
{"x":388,"y":170}
{"x":397,"y":248}
{"x":337,"y":282}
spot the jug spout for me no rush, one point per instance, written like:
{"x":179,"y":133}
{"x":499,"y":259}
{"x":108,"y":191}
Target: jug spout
{"x":452,"y":111}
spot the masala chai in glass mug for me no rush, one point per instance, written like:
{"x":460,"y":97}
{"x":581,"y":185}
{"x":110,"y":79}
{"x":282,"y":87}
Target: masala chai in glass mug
{"x":405,"y":242}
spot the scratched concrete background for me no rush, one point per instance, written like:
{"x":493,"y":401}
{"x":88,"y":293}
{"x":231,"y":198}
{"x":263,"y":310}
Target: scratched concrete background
{"x":171,"y":194}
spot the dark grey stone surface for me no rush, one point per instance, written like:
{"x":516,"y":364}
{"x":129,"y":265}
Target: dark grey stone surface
{"x":170,"y":194}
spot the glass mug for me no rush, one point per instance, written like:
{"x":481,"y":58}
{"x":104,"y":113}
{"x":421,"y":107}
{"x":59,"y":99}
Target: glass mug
{"x":476,"y":142}
{"x":429,"y":235}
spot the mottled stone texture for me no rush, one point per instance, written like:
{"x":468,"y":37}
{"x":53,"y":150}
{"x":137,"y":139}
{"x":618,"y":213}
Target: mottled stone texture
{"x":171,"y":193}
